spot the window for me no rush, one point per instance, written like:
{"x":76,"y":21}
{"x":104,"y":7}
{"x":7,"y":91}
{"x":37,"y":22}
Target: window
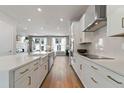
{"x":39,"y":44}
{"x":59,"y":43}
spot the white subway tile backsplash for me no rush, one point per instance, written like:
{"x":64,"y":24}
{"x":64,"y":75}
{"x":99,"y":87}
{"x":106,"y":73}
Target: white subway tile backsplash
{"x":107,"y":46}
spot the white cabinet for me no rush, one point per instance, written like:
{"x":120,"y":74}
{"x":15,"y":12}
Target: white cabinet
{"x":50,"y":60}
{"x":31,"y":75}
{"x":25,"y":81}
{"x":92,"y":78}
{"x":85,"y":37}
{"x":35,"y":75}
{"x":93,"y":75}
{"x":115,"y":21}
{"x":7,"y":38}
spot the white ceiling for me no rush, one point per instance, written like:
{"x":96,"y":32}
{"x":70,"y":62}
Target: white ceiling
{"x":48,"y":18}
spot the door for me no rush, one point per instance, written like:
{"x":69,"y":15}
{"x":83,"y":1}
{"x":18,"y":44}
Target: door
{"x":7,"y":38}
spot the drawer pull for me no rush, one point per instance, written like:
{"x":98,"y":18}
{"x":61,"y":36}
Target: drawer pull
{"x":45,"y":67}
{"x":36,"y":69}
{"x":80,"y":66}
{"x":94,"y":67}
{"x":35,"y":64}
{"x":94,"y":80}
{"x":114,"y":80}
{"x":29,"y":83}
{"x":24,"y":71}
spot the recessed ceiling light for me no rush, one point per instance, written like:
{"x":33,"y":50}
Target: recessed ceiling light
{"x":29,"y":19}
{"x":42,"y":28}
{"x":39,"y":9}
{"x":61,"y":19}
{"x":25,"y":28}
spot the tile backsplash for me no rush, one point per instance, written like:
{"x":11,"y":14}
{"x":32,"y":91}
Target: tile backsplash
{"x":107,"y":46}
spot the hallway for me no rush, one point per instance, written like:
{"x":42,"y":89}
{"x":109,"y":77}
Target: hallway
{"x":61,"y":75}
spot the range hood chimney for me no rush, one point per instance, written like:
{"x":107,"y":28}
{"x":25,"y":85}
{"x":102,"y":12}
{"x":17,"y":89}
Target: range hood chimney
{"x":99,"y":18}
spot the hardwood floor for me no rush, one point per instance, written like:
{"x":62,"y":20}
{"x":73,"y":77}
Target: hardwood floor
{"x":61,"y":75}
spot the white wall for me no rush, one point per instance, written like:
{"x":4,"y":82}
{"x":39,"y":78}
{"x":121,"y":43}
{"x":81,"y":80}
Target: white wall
{"x":7,"y":35}
{"x":107,"y":46}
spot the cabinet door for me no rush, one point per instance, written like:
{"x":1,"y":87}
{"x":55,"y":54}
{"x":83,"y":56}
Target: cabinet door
{"x":7,"y":38}
{"x":25,"y":81}
{"x":92,"y":79}
{"x":115,"y":21}
{"x":44,"y":69}
{"x":86,"y":37}
{"x":35,"y":77}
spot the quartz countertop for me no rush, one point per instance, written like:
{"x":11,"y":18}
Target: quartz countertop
{"x":14,"y":61}
{"x":116,"y":65}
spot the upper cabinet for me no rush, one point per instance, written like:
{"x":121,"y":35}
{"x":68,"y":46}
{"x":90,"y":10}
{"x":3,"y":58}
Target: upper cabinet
{"x":95,"y":18}
{"x":115,"y":20}
{"x":85,"y":37}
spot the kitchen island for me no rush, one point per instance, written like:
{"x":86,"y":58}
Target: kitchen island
{"x":23,"y":70}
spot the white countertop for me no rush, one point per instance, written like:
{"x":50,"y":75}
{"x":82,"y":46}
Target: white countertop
{"x":116,"y":65}
{"x":14,"y":61}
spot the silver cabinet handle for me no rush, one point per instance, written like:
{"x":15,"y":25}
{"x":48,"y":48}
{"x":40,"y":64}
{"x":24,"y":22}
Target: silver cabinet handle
{"x":24,"y":71}
{"x":80,"y":66}
{"x":29,"y":77}
{"x":94,"y":67}
{"x":45,"y":67}
{"x":93,"y":80}
{"x":35,"y":64}
{"x":36,"y":69}
{"x":114,"y":80}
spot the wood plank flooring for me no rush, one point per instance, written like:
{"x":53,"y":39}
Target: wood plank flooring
{"x":61,"y":75}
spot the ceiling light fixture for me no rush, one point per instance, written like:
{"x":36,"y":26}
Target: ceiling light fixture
{"x":39,"y":9}
{"x":61,"y":19}
{"x":29,"y":19}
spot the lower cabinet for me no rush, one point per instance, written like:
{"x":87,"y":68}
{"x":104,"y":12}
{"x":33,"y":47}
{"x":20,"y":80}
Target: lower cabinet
{"x":25,"y":81}
{"x":31,"y":75}
{"x":93,"y":75}
{"x":92,"y":79}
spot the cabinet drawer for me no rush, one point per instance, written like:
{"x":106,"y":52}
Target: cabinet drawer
{"x":111,"y":76}
{"x":24,"y":82}
{"x":22,"y":71}
{"x":35,"y":64}
{"x":93,"y":79}
{"x":45,"y":69}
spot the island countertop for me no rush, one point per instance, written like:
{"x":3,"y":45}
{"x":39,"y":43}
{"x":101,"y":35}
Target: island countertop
{"x":15,"y":61}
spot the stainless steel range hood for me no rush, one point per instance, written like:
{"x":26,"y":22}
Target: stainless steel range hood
{"x":99,"y":18}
